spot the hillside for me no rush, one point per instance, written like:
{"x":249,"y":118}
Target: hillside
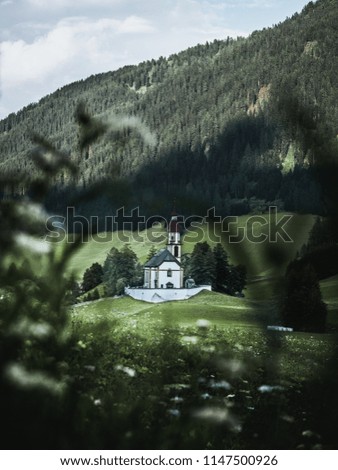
{"x":255,"y":256}
{"x":220,"y":114}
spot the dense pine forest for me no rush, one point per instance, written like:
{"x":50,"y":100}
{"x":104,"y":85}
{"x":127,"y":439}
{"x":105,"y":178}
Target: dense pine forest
{"x":216,"y":119}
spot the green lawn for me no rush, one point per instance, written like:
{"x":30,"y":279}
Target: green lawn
{"x":171,"y":357}
{"x":238,"y":323}
{"x":98,"y":246}
{"x":220,"y":310}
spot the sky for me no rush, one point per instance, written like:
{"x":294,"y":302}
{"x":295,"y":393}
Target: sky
{"x":46,"y":44}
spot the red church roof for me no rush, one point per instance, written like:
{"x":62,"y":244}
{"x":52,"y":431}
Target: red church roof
{"x":173,"y":225}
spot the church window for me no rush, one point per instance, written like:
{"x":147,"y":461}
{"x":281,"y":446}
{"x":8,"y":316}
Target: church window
{"x":176,"y":251}
{"x":169,"y":273}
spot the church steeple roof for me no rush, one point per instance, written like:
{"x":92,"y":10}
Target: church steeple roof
{"x":160,"y":257}
{"x":173,"y":225}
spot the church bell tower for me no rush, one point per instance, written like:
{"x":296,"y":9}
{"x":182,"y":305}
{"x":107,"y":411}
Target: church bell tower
{"x":174,"y":237}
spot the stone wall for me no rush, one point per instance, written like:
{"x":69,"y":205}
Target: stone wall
{"x":164,"y":295}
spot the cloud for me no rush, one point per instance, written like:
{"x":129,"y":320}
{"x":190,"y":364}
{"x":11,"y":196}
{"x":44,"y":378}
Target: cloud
{"x":44,"y":48}
{"x":135,"y":24}
{"x":71,"y":41}
{"x":203,"y":19}
{"x":58,"y":4}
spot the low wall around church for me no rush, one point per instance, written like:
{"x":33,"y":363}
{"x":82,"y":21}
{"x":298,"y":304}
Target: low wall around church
{"x":163,"y":295}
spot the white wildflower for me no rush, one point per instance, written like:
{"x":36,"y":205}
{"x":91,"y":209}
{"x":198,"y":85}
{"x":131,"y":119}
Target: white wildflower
{"x":190,"y":339}
{"x":308,"y":433}
{"x":33,"y":211}
{"x":269,"y":388}
{"x":203,"y":323}
{"x":174,"y":412}
{"x":127,"y":370}
{"x":177,"y":399}
{"x":205,"y":396}
{"x":26,"y":328}
{"x":218,"y":415}
{"x":29,"y":380}
{"x":222,"y":384}
{"x":28,"y":242}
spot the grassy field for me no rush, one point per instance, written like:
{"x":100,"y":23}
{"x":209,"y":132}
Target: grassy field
{"x":98,"y":247}
{"x":261,"y":259}
{"x":220,"y":310}
{"x":212,"y":353}
{"x":242,"y":324}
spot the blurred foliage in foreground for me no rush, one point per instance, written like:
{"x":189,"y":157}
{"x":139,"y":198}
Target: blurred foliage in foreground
{"x":68,"y":385}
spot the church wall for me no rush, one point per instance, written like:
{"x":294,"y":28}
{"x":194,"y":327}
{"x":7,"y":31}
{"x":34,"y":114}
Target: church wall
{"x":163,"y":278}
{"x":164,"y":295}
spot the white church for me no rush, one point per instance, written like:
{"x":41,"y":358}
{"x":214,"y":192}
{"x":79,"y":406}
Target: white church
{"x":163,"y":273}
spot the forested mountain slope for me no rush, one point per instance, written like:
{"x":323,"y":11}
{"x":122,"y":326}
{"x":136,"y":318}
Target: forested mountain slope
{"x":219,"y":113}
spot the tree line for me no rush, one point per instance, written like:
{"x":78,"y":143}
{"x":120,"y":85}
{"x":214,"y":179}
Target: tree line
{"x":121,"y":268}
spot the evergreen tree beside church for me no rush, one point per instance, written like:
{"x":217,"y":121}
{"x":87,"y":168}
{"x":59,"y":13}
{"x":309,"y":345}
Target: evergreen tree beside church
{"x":212,"y":266}
{"x":121,"y":268}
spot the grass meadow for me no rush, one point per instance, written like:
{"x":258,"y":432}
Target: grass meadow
{"x":205,"y":373}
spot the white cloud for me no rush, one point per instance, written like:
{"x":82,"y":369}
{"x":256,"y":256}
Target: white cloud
{"x":74,"y":39}
{"x":135,"y":24}
{"x":201,"y":20}
{"x":42,"y":60}
{"x":44,"y":49}
{"x":57,"y":4}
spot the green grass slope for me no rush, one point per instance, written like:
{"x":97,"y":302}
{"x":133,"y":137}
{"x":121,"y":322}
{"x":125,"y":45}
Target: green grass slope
{"x":263,"y":260}
{"x":96,"y":249}
{"x":218,"y":309}
{"x":231,"y":322}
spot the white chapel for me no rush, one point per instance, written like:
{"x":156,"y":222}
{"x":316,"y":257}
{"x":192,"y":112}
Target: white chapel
{"x":163,"y":273}
{"x":164,"y":270}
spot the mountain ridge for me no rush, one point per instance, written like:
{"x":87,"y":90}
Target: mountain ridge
{"x":215,"y":110}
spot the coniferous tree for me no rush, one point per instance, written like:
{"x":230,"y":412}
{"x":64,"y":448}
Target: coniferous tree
{"x":92,"y":277}
{"x":95,"y":294}
{"x":202,"y":264}
{"x":237,"y":280}
{"x":121,"y":267}
{"x":222,"y":274}
{"x":110,"y":271}
{"x":303,"y":308}
{"x":322,"y":233}
{"x":151,"y":253}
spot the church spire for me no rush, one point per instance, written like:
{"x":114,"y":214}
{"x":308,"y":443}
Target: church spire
{"x":174,"y":236}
